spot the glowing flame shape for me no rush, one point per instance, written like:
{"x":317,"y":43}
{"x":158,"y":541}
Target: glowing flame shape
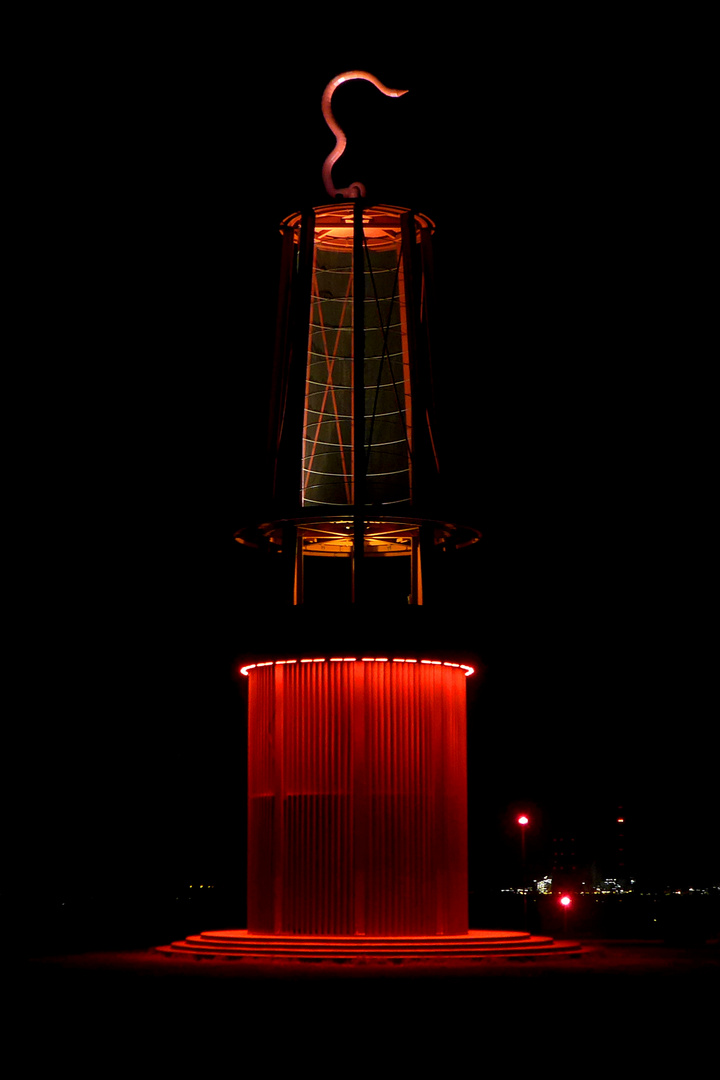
{"x":356,"y":190}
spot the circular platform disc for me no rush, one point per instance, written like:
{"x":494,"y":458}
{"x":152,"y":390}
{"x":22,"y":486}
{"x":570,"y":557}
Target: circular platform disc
{"x":476,"y":944}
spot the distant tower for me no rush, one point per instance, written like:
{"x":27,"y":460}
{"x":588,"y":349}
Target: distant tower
{"x":357,"y":776}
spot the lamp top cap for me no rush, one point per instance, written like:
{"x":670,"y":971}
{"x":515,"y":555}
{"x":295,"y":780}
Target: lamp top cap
{"x":355,"y":190}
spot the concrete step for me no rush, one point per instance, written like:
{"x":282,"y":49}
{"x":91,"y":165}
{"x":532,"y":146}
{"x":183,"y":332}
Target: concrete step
{"x":476,"y":944}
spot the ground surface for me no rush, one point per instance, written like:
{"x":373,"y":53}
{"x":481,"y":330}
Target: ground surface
{"x":599,"y":958}
{"x":642,"y":1004}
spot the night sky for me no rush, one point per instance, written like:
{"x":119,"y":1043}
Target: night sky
{"x":572,"y":386}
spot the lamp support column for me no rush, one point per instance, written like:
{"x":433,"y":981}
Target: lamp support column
{"x":358,"y":402}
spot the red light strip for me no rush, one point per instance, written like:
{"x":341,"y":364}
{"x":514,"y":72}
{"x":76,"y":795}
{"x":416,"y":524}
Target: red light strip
{"x":353,"y":659}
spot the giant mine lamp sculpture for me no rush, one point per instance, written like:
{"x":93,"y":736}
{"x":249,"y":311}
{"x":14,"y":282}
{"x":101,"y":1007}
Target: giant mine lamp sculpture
{"x":357,"y":776}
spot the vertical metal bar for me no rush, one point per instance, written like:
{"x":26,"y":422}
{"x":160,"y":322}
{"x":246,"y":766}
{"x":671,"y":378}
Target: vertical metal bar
{"x":426,"y":310}
{"x":416,"y":594}
{"x":405,"y":334}
{"x":298,"y":594}
{"x":358,"y":401}
{"x":409,"y":309}
{"x":428,"y":566}
{"x":281,"y":361}
{"x":290,"y":467}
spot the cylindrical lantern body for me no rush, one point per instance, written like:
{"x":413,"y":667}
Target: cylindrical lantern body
{"x":357,"y":798}
{"x":352,"y":416}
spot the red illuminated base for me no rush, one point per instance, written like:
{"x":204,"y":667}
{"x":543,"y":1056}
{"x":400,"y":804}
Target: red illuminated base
{"x":475,"y":945}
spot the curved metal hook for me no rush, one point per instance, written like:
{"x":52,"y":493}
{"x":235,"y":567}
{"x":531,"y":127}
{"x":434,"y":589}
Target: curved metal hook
{"x":356,"y":190}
